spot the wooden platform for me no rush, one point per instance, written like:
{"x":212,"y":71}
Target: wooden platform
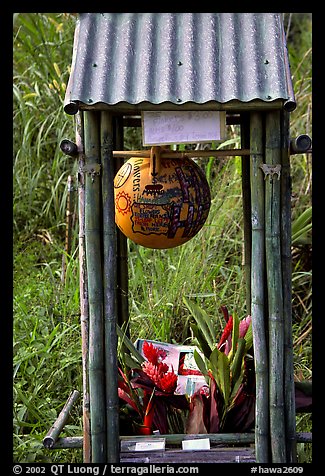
{"x":179,"y":456}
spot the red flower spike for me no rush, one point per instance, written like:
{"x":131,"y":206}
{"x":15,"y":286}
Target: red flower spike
{"x":227,"y":332}
{"x":168,"y":382}
{"x":154,"y":355}
{"x":162,"y":368}
{"x":151,"y":371}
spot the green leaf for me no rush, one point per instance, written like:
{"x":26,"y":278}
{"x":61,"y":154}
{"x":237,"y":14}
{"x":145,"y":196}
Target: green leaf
{"x":301,"y":226}
{"x":221,"y":372}
{"x":203,"y":321}
{"x":236,"y":388}
{"x":238,"y":361}
{"x":249,"y":337}
{"x":204,"y":346}
{"x":130,"y":362}
{"x":127,"y":342}
{"x":201,"y":365}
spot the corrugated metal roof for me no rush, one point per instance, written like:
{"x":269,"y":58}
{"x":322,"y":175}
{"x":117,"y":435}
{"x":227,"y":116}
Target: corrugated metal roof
{"x":178,"y":58}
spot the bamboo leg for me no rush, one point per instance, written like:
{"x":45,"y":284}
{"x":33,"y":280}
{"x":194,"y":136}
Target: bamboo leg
{"x":258,"y":292}
{"x":289,"y":395}
{"x":84,"y":311}
{"x":274,"y":287}
{"x":110,"y":288}
{"x":95,"y":289}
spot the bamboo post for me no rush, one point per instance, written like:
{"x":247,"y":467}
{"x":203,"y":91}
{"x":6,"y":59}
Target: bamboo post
{"x":289,"y":395}
{"x":257,"y":290}
{"x":122,"y":251}
{"x":110,"y":288}
{"x":83,"y":291}
{"x":274,"y":287}
{"x":246,"y":194}
{"x":95,"y":288}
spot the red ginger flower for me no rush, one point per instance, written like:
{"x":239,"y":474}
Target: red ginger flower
{"x":156,"y":370}
{"x":152,"y":371}
{"x":154,"y":355}
{"x":168,"y":382}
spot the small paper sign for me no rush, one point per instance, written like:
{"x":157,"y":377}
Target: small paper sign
{"x":196,"y":444}
{"x":182,"y":127}
{"x":150,"y":445}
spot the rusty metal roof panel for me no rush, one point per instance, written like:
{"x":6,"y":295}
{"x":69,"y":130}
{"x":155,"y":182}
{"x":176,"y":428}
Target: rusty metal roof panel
{"x":178,"y":58}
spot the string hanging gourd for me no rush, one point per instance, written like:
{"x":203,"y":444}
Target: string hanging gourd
{"x":161,"y":202}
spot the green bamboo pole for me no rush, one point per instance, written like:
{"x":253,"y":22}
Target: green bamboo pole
{"x":83,"y":291}
{"x":257,"y":290}
{"x":95,"y":288}
{"x":122,"y":251}
{"x":289,"y":395}
{"x":274,"y":288}
{"x":246,"y":194}
{"x":110,"y":287}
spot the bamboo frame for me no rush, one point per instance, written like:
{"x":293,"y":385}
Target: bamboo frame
{"x":95,"y":291}
{"x":104,"y":282}
{"x":109,"y":286}
{"x":274,"y":288}
{"x":258,"y":291}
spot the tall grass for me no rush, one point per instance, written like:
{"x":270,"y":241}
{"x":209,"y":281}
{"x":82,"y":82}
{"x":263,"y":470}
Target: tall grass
{"x":207,"y":269}
{"x":42,"y":56}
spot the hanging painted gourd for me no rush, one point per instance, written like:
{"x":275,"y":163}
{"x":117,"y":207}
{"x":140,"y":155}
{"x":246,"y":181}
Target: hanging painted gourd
{"x":161,"y":202}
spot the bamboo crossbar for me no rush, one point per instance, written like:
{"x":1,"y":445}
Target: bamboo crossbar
{"x":215,"y":438}
{"x":191,"y":153}
{"x":181,"y":155}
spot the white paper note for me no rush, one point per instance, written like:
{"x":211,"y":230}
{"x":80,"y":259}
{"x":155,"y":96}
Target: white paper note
{"x":182,"y":127}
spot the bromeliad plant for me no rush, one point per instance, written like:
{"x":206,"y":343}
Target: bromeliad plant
{"x":227,"y":403}
{"x":148,"y":388}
